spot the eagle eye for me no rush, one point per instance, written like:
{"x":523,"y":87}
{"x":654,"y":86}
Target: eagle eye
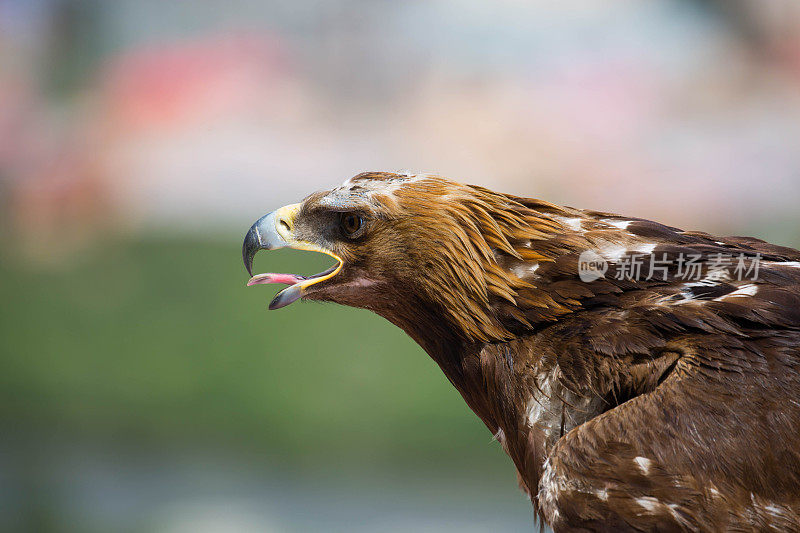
{"x":351,"y":224}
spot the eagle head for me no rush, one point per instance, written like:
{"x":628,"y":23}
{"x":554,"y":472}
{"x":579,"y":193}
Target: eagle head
{"x":412,"y":248}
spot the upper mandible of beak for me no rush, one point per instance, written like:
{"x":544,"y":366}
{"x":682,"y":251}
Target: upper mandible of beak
{"x":270,"y":232}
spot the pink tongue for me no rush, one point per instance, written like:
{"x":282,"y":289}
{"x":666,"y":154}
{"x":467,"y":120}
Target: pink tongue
{"x":263,"y":279}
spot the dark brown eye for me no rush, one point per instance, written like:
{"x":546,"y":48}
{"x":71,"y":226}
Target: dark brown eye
{"x":350,"y":224}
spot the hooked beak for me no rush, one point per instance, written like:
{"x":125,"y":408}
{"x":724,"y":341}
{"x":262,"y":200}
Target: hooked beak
{"x":273,"y":231}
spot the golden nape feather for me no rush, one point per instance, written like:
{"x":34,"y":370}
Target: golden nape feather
{"x":640,"y":377}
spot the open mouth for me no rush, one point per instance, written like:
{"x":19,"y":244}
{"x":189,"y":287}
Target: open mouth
{"x":298,"y":284}
{"x":288,"y":279}
{"x":271,"y":232}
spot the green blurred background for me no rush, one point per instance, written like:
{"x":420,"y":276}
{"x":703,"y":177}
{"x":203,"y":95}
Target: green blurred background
{"x":144,"y":388}
{"x":146,"y":362}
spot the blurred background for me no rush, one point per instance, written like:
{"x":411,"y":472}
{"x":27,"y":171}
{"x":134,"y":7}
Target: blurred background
{"x":143,"y":388}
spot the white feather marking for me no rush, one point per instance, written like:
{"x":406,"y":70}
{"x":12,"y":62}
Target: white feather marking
{"x":546,"y":407}
{"x":524,"y":270}
{"x":550,"y":486}
{"x":621,"y":224}
{"x":790,"y":264}
{"x":537,"y":409}
{"x":649,"y":503}
{"x":344,"y":196}
{"x":644,"y":464}
{"x":774,"y":510}
{"x":714,"y":278}
{"x":646,"y":249}
{"x":393,"y":185}
{"x":745,"y":290}
{"x":673,"y":509}
{"x":500,"y":436}
{"x":573,"y":223}
{"x":613,"y":252}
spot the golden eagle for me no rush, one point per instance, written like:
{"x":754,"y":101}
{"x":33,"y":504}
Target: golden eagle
{"x":664,"y":397}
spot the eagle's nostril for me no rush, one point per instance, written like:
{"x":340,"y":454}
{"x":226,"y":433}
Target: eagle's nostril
{"x":285,"y":225}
